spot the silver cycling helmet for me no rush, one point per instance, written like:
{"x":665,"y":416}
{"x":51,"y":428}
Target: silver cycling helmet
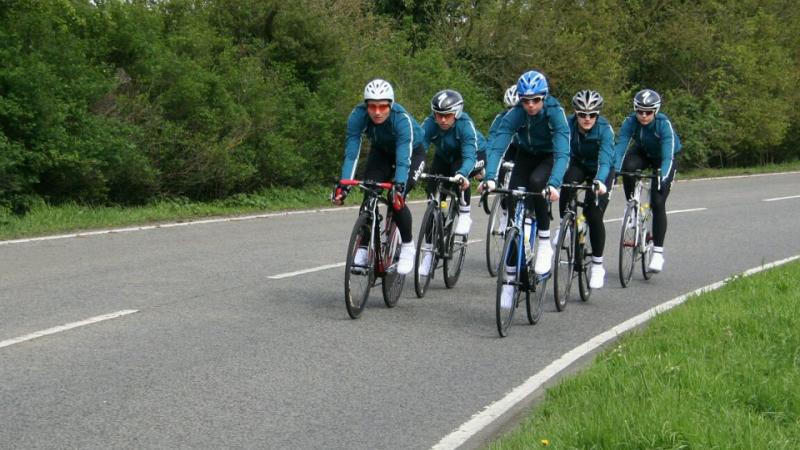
{"x":587,"y":101}
{"x":510,"y":99}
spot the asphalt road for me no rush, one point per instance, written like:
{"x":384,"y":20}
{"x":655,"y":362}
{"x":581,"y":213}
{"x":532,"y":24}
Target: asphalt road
{"x":221,"y":355}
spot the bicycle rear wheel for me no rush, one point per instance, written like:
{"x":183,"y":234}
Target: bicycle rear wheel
{"x":583,"y":259}
{"x":647,"y":239}
{"x":494,"y":236}
{"x":428,"y":237}
{"x":393,"y":282}
{"x":358,"y":278}
{"x":627,"y":244}
{"x":537,"y":284}
{"x":505,"y":307}
{"x":564,"y":261}
{"x":456,"y":246}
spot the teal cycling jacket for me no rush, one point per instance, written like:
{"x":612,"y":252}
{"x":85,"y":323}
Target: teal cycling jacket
{"x":546,"y":132}
{"x":462,"y":141}
{"x":595,"y":149}
{"x":658,"y":140}
{"x":398,"y":135}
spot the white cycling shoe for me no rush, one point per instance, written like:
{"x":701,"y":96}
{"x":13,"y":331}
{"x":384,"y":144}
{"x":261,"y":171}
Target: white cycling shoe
{"x":656,"y":263}
{"x":406,"y":263}
{"x":501,"y":224}
{"x":544,"y":257}
{"x":427,"y":258}
{"x":361,"y":257}
{"x":597,"y":277}
{"x":463,"y":225}
{"x":507,"y":296}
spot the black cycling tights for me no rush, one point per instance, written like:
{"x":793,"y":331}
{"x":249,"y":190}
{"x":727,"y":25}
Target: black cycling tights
{"x":532,"y":173}
{"x":578,"y":173}
{"x":380,"y":167}
{"x":658,"y":197}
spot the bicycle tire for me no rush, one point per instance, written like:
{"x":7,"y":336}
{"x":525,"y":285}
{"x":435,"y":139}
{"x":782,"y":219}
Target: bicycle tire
{"x":564,"y":261}
{"x":393,"y":282}
{"x":494,"y":237}
{"x":456,"y":249}
{"x":627,"y":245}
{"x":505,"y":313}
{"x":429,"y":229}
{"x":537,"y":284}
{"x":647,"y":232}
{"x":358,"y":280}
{"x":583,"y":257}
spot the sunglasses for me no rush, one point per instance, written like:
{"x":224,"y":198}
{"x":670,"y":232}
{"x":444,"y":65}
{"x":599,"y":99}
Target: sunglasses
{"x":378,"y":107}
{"x":585,"y":115}
{"x":533,"y":100}
{"x":642,"y":112}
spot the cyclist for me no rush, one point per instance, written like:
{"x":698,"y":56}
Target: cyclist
{"x":396,"y":152}
{"x":510,"y":99}
{"x":541,"y":126}
{"x":457,"y":144}
{"x":591,"y":158}
{"x":655,"y":145}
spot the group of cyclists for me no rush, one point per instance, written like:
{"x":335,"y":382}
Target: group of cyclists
{"x":548,"y":149}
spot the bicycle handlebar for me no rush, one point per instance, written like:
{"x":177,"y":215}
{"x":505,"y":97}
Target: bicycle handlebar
{"x":640,"y":174}
{"x":587,"y":187}
{"x":518,"y":193}
{"x":367,"y":183}
{"x":438,"y":177}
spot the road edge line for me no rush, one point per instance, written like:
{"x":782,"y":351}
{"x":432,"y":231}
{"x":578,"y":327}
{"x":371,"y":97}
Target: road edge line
{"x":500,"y":407}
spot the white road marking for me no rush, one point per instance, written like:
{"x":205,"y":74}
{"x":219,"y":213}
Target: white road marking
{"x":518,"y":394}
{"x":780,"y":198}
{"x":65,"y":327}
{"x":305,"y":271}
{"x":327,"y":266}
{"x":677,"y":211}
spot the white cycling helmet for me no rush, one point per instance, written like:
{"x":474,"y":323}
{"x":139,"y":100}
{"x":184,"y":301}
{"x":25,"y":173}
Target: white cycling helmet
{"x":378,"y":89}
{"x":511,"y":98}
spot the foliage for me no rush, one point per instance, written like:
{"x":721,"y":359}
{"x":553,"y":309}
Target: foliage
{"x":108,"y":102}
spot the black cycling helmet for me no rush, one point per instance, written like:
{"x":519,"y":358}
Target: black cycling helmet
{"x":448,"y":102}
{"x":587,"y":101}
{"x":647,"y":100}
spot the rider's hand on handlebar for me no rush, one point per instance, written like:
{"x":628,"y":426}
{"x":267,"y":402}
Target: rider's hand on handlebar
{"x":551,"y":193}
{"x":599,"y":187}
{"x":398,"y":196}
{"x":487,"y":186}
{"x":462,"y":181}
{"x":339,"y":194}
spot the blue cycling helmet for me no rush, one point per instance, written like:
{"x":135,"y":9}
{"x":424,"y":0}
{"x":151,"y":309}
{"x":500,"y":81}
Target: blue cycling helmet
{"x":531,"y":83}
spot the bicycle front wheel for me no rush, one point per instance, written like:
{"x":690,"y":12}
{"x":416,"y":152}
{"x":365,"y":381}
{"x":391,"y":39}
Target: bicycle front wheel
{"x":508,"y":290}
{"x":456,"y":250}
{"x":534,"y":302}
{"x":564,"y":261}
{"x":427,"y":243}
{"x":647,"y":243}
{"x":393,"y":282}
{"x":359,"y":270}
{"x":627,"y":245}
{"x":494,"y":236}
{"x":583,"y":260}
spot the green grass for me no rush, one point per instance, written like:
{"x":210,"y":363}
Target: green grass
{"x":708,"y":173}
{"x":720,"y":371}
{"x":47,"y":219}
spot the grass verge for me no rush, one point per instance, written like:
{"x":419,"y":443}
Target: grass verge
{"x":720,"y":371}
{"x":47,"y":219}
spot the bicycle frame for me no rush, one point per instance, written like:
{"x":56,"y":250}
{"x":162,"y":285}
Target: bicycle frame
{"x":371,"y":205}
{"x":436,"y":200}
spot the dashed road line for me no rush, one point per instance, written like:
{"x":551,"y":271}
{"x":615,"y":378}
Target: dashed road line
{"x":65,"y":327}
